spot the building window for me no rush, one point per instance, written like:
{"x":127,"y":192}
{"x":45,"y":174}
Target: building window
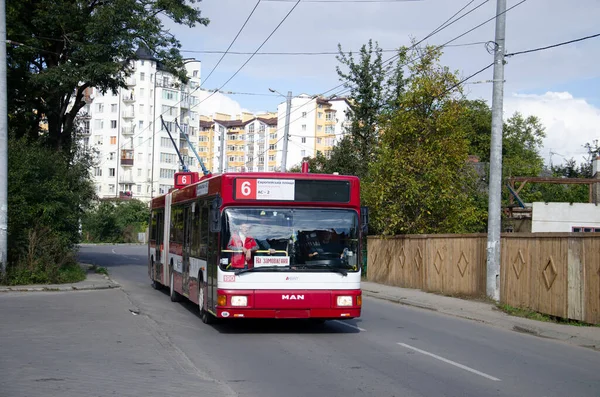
{"x":142,"y":92}
{"x":167,"y":173}
{"x":98,"y":124}
{"x":232,"y":158}
{"x":319,"y":141}
{"x":271,"y":147}
{"x":113,"y":140}
{"x":303,"y":153}
{"x":113,"y":124}
{"x":139,"y":188}
{"x":111,"y":188}
{"x":195,"y":73}
{"x":111,"y":172}
{"x":142,"y":76}
{"x":100,"y":108}
{"x":303,"y":115}
{"x":303,"y":127}
{"x":303,"y":139}
{"x":272,"y":158}
{"x":320,"y":115}
{"x":139,"y":172}
{"x":251,"y":128}
{"x":97,"y":171}
{"x":113,"y":108}
{"x":319,"y":128}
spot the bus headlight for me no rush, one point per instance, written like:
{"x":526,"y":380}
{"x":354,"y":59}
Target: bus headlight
{"x":239,"y":301}
{"x":344,"y":300}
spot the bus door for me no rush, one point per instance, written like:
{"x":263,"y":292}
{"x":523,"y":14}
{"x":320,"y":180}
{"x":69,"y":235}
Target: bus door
{"x":187,"y":246}
{"x":214,"y":248}
{"x":158,"y":235}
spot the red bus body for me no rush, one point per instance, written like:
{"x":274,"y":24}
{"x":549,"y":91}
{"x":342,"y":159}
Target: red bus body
{"x":189,"y":227}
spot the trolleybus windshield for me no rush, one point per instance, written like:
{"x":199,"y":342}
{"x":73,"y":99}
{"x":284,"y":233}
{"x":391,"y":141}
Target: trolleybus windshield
{"x":286,"y":239}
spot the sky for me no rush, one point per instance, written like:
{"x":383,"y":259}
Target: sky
{"x":561,"y":85}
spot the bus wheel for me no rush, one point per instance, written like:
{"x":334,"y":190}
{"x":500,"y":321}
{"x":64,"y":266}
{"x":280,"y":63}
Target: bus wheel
{"x":154,"y":283}
{"x":175,"y":297}
{"x":205,"y":316}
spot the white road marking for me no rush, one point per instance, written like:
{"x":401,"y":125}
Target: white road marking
{"x":450,"y":362}
{"x":349,"y":325}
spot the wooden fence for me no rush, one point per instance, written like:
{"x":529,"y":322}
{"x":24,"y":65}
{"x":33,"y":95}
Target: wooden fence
{"x":552,"y":273}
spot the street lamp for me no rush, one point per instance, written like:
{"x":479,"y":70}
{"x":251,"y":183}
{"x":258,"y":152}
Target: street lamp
{"x":286,"y":131}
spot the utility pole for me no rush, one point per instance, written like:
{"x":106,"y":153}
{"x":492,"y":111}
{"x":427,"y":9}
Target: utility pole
{"x":3,"y":144}
{"x":286,"y":132}
{"x":495,"y":184}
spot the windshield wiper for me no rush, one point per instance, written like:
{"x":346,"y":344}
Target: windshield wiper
{"x":340,"y":270}
{"x":257,"y":269}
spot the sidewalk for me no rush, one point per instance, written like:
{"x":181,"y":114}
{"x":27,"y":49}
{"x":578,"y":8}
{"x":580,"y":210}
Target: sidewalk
{"x":93,"y":281}
{"x":485,"y":313}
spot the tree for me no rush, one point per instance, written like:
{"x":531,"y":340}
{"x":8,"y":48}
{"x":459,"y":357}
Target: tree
{"x":343,"y":159}
{"x":115,"y":221}
{"x":62,"y":47}
{"x":372,"y":91}
{"x":421,"y":181}
{"x":47,"y":195}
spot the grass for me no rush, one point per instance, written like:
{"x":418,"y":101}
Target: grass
{"x":99,"y":270}
{"x":67,"y":273}
{"x":533,"y":315}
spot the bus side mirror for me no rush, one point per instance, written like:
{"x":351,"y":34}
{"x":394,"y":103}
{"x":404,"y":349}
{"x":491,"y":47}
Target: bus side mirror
{"x":215,"y":215}
{"x":364,"y":219}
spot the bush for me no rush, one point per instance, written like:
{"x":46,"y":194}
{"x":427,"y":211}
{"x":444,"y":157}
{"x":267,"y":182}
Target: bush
{"x":115,"y":221}
{"x":47,"y":193}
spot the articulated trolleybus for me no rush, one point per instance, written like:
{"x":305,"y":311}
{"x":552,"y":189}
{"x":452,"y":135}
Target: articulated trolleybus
{"x":261,"y":245}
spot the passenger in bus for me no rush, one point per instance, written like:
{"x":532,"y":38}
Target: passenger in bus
{"x":243,"y":246}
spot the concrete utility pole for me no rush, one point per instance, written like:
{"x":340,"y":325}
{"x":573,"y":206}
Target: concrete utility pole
{"x":495,"y":183}
{"x":286,"y":132}
{"x":3,"y":144}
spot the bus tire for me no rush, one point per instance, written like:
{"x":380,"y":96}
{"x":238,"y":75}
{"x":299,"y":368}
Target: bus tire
{"x":154,"y":283}
{"x":175,"y":297}
{"x":205,"y":316}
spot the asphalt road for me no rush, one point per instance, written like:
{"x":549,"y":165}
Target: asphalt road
{"x":392,"y":350}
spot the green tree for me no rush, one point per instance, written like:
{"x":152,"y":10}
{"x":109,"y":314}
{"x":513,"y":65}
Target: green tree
{"x":343,"y":159}
{"x":421,"y":181}
{"x":115,"y":221}
{"x":47,"y":194}
{"x":374,"y":88}
{"x":61,"y":47}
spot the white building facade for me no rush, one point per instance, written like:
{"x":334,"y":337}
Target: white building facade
{"x":135,"y":155}
{"x":316,"y":124}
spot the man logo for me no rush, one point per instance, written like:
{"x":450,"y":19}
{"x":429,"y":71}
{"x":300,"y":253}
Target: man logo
{"x":292,"y":297}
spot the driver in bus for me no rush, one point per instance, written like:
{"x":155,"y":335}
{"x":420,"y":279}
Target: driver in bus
{"x":325,"y":245}
{"x":243,"y":246}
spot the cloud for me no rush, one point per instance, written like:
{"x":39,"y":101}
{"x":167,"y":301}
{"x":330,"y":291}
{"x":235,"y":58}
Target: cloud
{"x":570,"y":122}
{"x":217,"y":103}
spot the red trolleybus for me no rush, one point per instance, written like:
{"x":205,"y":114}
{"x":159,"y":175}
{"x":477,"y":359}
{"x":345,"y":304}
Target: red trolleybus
{"x":261,"y":245}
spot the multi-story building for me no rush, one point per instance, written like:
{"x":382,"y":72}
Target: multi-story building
{"x":136,"y":156}
{"x":249,"y":142}
{"x":316,"y":124}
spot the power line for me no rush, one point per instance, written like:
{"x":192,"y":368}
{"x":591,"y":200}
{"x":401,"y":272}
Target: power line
{"x":305,"y":53}
{"x":344,"y":1}
{"x":223,"y":85}
{"x":553,"y":45}
{"x":233,"y":41}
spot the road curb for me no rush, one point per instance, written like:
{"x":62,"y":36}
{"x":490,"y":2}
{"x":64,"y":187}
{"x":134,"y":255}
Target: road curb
{"x":513,"y":326}
{"x":54,"y":288}
{"x":402,"y":301}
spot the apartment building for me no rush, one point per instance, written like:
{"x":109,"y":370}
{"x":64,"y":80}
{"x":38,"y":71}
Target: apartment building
{"x":249,"y":142}
{"x":316,"y":124}
{"x":136,"y":156}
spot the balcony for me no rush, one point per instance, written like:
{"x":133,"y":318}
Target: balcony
{"x":126,"y":158}
{"x":129,"y":81}
{"x":130,"y":130}
{"x":128,"y":98}
{"x":128,"y":114}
